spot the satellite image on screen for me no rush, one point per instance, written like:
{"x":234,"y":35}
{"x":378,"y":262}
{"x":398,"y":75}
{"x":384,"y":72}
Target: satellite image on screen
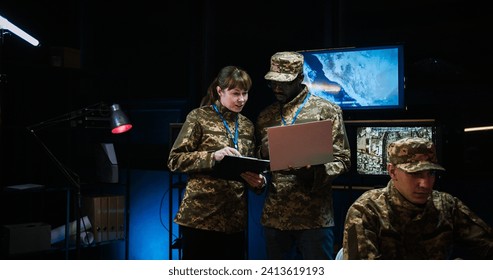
{"x":356,"y":78}
{"x":371,"y":145}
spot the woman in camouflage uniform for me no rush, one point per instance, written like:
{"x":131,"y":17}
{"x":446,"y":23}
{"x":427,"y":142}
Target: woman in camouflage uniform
{"x":213,"y":213}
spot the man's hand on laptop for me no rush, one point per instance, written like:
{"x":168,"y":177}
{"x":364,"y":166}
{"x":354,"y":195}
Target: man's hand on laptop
{"x":298,"y":168}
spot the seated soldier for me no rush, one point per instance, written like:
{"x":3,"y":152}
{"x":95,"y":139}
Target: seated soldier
{"x":408,"y":219}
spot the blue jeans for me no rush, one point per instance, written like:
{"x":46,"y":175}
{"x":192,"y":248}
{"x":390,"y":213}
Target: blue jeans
{"x":307,"y":244}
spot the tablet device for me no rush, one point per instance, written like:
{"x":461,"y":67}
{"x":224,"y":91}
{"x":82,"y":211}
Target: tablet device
{"x":230,"y":167}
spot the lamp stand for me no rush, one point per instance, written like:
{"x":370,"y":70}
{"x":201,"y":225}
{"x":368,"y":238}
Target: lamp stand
{"x":72,"y":177}
{"x":75,"y":184}
{"x":119,"y":124}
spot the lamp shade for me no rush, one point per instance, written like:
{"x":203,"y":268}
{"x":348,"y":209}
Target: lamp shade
{"x":119,"y":121}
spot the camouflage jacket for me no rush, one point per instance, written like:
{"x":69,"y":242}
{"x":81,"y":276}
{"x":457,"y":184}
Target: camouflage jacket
{"x":382,"y":224}
{"x":302,"y":199}
{"x":210,"y":203}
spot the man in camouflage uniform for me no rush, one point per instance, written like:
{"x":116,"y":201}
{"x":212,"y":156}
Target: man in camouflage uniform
{"x":408,"y":219}
{"x":213,"y":212}
{"x":298,"y":212}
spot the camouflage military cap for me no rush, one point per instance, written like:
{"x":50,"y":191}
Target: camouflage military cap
{"x":285,"y":66}
{"x":413,"y":155}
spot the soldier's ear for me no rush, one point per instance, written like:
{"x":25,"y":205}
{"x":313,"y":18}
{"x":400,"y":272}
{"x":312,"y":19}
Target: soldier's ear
{"x":391,"y":170}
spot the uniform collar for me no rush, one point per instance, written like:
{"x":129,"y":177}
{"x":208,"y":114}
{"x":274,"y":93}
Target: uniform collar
{"x":400,"y":202}
{"x":227,"y":114}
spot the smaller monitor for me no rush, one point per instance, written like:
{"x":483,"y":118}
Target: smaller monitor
{"x":372,"y":141}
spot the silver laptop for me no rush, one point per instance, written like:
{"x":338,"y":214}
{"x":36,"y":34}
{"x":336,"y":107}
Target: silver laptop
{"x":300,"y":145}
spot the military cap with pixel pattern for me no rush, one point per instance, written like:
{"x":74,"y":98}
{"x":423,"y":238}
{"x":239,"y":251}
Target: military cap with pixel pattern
{"x":285,"y":66}
{"x":413,"y":155}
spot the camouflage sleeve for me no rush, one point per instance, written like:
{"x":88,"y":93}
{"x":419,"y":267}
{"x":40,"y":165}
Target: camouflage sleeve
{"x":259,"y":141}
{"x":185,"y":155}
{"x":341,"y":149}
{"x":264,"y":120}
{"x":360,"y":239}
{"x":473,"y":232}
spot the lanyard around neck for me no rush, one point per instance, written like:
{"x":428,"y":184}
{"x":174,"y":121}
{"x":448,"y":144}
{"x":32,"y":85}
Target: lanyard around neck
{"x":297,"y":112}
{"x":235,"y":137}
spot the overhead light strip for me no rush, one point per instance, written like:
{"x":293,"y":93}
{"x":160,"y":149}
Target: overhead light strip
{"x":478,"y":128}
{"x":7,"y":25}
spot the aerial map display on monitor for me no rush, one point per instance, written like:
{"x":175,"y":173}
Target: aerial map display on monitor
{"x":357,"y":78}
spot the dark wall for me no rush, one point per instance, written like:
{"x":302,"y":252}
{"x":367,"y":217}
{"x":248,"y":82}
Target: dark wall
{"x":143,"y":50}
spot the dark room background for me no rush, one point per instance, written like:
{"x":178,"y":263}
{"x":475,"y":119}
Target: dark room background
{"x":156,"y":60}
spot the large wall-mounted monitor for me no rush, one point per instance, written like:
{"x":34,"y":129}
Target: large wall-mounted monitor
{"x":357,"y":78}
